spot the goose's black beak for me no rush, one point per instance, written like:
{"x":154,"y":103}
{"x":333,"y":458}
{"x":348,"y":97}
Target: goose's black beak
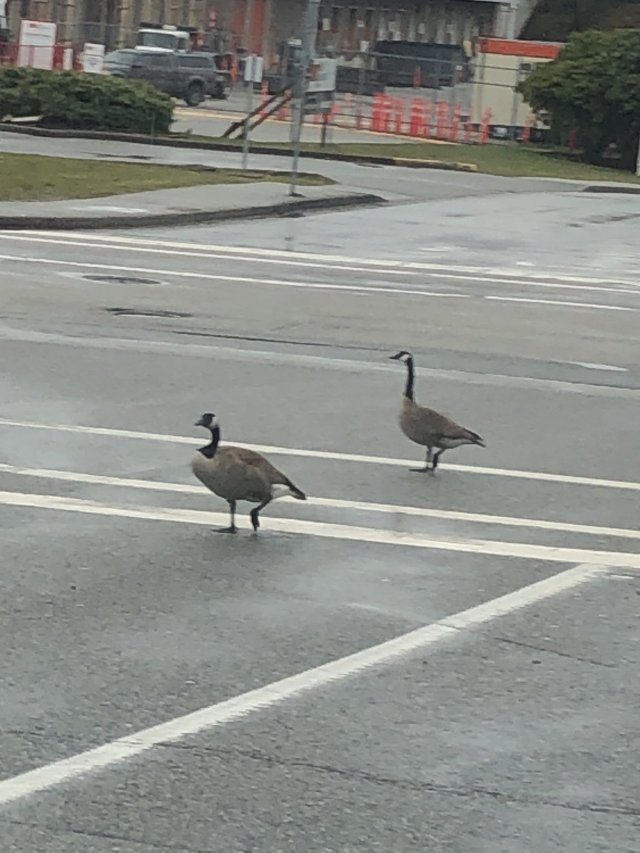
{"x":200,"y":422}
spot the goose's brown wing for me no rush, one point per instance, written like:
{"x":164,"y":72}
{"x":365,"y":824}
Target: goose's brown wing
{"x":253,"y":459}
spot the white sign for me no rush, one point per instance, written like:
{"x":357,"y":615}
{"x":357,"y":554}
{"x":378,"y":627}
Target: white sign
{"x":253,"y":69}
{"x":323,"y":75}
{"x":35,"y":44}
{"x":93,"y":58}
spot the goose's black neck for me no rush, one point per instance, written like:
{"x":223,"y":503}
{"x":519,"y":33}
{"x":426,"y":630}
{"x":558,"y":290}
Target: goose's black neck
{"x":210,"y":449}
{"x":408,"y":391}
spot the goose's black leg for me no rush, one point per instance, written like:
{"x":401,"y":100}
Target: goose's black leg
{"x":232,"y":527}
{"x":254,"y":514}
{"x":436,"y":458}
{"x":427,"y":464}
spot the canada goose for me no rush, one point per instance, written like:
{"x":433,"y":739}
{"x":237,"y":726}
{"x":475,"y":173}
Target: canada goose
{"x":239,"y":474}
{"x":429,"y":428}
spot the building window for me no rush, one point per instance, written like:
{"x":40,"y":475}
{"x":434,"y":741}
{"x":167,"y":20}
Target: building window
{"x":335,"y":19}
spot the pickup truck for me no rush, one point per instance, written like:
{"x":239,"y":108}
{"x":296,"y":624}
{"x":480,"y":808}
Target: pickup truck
{"x":190,"y":76}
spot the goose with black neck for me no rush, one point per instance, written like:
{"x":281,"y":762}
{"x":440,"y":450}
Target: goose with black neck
{"x":427,"y":427}
{"x":239,"y":474}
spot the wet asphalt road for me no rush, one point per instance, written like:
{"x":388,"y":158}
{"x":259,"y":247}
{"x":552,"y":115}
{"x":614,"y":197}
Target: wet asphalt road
{"x":509,"y":728}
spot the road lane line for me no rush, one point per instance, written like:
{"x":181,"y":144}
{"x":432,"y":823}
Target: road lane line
{"x":237,"y":707}
{"x":308,"y":285}
{"x":326,"y":530}
{"x":237,"y":279}
{"x":329,"y":503}
{"x":325,"y":259}
{"x":568,"y":479}
{"x":564,"y":303}
{"x":207,"y":254}
{"x":225,"y":349}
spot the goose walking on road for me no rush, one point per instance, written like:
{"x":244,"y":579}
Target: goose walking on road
{"x":427,"y":427}
{"x":238,"y":474}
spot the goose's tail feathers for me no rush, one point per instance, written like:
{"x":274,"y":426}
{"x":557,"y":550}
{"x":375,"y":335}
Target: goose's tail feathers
{"x":285,"y":488}
{"x":296,"y":492}
{"x":476,"y":439}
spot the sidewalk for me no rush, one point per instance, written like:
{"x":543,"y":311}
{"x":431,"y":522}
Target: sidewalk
{"x":183,"y":206}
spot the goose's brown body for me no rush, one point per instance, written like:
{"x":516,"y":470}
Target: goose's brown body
{"x":426,"y":426}
{"x":431,"y":429}
{"x":238,"y":474}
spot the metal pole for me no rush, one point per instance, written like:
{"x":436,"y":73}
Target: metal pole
{"x":248,"y":18}
{"x":307,"y":56}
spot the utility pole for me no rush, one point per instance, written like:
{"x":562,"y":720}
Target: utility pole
{"x":248,"y":20}
{"x":300,"y":91}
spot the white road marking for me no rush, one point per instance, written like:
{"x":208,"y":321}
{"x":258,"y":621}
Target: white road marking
{"x":524,"y":282}
{"x":331,"y":455}
{"x":236,"y":279}
{"x":330,"y":503}
{"x":221,"y":713}
{"x":595,"y":305}
{"x":351,"y":365}
{"x":589,"y":366}
{"x":326,"y":530}
{"x":306,"y":285}
{"x":324,"y":259}
{"x":203,"y":252}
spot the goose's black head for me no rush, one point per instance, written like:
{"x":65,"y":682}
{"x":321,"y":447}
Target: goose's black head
{"x":208,"y":421}
{"x":403,"y":355}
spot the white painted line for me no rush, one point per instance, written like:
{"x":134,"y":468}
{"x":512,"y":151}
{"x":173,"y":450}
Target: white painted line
{"x":69,"y":769}
{"x":203,"y":252}
{"x":236,"y":279}
{"x":324,"y":530}
{"x":589,"y":366}
{"x":524,"y":282}
{"x":300,"y":360}
{"x":329,"y":503}
{"x":597,"y":305}
{"x":325,"y":259}
{"x":331,"y":455}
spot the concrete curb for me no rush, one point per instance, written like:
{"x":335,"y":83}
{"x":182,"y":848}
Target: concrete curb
{"x":612,"y":188}
{"x":412,"y":163}
{"x":182,"y":142}
{"x":191,"y":217}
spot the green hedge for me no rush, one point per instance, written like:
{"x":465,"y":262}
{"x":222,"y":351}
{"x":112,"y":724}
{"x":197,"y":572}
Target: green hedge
{"x":72,"y":99}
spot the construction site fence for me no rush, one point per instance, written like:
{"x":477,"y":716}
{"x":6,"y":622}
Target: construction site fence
{"x":418,"y":118}
{"x":435,"y":100}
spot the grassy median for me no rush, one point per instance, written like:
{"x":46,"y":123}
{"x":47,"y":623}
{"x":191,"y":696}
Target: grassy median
{"x":508,"y":160}
{"x":28,"y":177}
{"x":493,"y":159}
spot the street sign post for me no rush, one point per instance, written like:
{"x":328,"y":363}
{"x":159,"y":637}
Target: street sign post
{"x":321,"y":88}
{"x":253,"y":68}
{"x":248,"y":18}
{"x":308,"y":54}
